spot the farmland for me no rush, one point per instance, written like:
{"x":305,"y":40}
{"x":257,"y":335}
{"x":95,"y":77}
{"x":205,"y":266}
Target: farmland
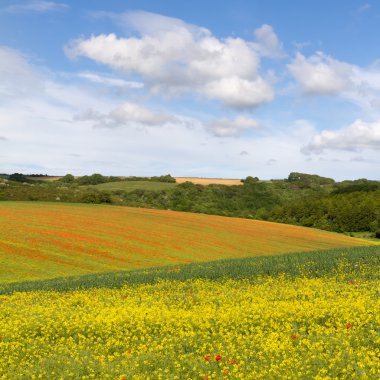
{"x":209,"y":181}
{"x":45,"y":240}
{"x":133,"y":185}
{"x":320,"y":320}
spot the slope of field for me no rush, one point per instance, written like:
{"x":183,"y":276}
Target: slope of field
{"x":133,"y":185}
{"x":313,"y":324}
{"x":209,"y":181}
{"x":42,"y":240}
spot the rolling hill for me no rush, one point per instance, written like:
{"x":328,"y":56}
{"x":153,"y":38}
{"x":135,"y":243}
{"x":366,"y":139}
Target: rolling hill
{"x":46,"y":240}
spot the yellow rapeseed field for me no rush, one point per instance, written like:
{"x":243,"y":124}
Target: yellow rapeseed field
{"x":265,"y":328}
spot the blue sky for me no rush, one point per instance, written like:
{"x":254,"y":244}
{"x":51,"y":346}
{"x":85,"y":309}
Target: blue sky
{"x":213,"y":89}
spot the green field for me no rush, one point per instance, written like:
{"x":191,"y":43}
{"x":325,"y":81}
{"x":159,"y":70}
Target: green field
{"x":133,"y":185}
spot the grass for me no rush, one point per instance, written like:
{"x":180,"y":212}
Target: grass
{"x":358,"y":263}
{"x":46,"y":240}
{"x":133,"y":185}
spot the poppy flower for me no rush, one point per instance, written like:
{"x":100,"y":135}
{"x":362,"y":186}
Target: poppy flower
{"x":348,"y":326}
{"x":207,"y":357}
{"x":218,"y":357}
{"x":294,"y":336}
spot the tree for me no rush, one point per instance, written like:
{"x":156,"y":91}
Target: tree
{"x":68,"y":178}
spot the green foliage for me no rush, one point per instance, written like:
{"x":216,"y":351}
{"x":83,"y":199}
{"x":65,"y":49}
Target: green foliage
{"x":343,"y":212}
{"x":364,"y":185}
{"x":127,"y":186}
{"x":93,"y":179}
{"x":68,"y":178}
{"x":250,"y":180}
{"x":95,"y":196}
{"x":163,"y":178}
{"x":18,"y":177}
{"x":358,"y":263}
{"x":309,"y":179}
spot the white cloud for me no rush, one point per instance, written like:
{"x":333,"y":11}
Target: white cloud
{"x":39,"y":6}
{"x":268,"y":43}
{"x":17,"y":78}
{"x":355,"y":137}
{"x":231,"y":127}
{"x":110,"y":81}
{"x":321,"y":74}
{"x":240,"y":93}
{"x":175,"y":57}
{"x":124,"y":115}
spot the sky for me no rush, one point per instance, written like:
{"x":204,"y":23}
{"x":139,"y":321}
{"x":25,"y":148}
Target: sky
{"x":224,"y":89}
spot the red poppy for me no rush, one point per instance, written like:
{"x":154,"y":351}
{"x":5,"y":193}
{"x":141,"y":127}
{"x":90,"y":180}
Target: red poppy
{"x":348,"y":326}
{"x":207,"y":357}
{"x":294,"y":336}
{"x":218,"y":357}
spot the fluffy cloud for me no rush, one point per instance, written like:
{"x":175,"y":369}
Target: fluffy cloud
{"x":175,"y":57}
{"x":126,"y":114}
{"x":320,"y":74}
{"x":355,"y":137}
{"x":39,"y":6}
{"x":268,"y":43}
{"x":231,"y":127}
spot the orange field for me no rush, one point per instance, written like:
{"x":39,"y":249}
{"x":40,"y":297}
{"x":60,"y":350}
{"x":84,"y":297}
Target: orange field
{"x":209,"y":181}
{"x":44,"y":240}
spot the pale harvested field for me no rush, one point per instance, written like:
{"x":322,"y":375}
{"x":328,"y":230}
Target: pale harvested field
{"x":209,"y":181}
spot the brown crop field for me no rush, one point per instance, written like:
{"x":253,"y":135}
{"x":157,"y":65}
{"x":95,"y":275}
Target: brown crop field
{"x":209,"y":181}
{"x":45,"y":240}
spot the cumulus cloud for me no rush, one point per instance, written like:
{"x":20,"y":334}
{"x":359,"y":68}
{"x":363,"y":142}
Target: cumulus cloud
{"x":268,"y":43}
{"x":175,"y":57}
{"x":231,"y":127}
{"x":38,"y":6}
{"x":355,"y":137}
{"x":321,"y":74}
{"x":126,"y":114}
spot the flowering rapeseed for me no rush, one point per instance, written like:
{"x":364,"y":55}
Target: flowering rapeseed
{"x":199,"y":329}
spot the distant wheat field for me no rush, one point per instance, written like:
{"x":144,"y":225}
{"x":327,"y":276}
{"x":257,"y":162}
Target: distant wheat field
{"x":209,"y":181}
{"x":45,"y":240}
